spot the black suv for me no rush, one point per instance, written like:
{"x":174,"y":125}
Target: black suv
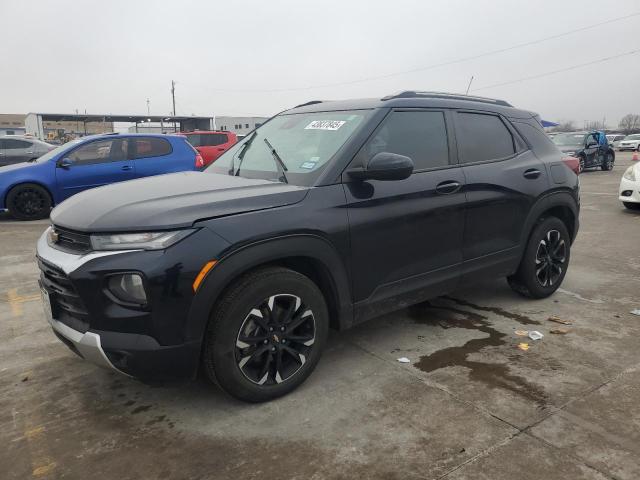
{"x":325,"y":216}
{"x":587,"y":148}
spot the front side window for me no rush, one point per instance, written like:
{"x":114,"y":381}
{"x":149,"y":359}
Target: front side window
{"x":151,"y":147}
{"x":482,"y":137}
{"x":304,"y":142}
{"x":100,"y":151}
{"x":419,"y":135}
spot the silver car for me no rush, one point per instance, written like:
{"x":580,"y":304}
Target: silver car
{"x":16,"y":149}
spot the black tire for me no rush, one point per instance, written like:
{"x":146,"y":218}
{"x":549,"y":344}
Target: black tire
{"x":246,"y":323}
{"x":582,"y":164}
{"x":541,"y":271}
{"x":607,"y":162}
{"x":631,"y":205}
{"x":29,"y":201}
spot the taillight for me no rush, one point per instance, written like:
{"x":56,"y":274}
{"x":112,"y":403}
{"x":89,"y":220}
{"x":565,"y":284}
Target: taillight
{"x":199,"y":161}
{"x":573,"y":163}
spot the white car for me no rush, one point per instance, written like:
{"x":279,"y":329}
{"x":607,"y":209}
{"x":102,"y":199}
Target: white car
{"x":630,"y":187}
{"x":615,"y":139}
{"x":630,"y":142}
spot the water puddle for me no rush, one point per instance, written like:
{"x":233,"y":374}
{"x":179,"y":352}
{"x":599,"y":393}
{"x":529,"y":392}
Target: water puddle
{"x":494,"y":375}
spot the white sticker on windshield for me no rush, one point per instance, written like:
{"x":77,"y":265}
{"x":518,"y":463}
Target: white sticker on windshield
{"x":325,"y":125}
{"x":308,"y":165}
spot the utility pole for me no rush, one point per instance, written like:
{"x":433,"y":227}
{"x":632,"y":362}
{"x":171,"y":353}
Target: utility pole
{"x":469,"y":86}
{"x":148,"y":108}
{"x":173,"y":97}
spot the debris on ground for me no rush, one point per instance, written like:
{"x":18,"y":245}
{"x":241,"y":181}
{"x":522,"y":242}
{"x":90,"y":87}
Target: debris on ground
{"x":635,"y":312}
{"x":523,"y":346}
{"x":25,"y":378}
{"x":522,"y":333}
{"x":559,"y":331}
{"x":535,"y":335}
{"x":404,"y":360}
{"x":559,"y":320}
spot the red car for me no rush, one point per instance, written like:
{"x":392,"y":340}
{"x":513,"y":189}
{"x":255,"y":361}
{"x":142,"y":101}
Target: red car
{"x":210,"y":144}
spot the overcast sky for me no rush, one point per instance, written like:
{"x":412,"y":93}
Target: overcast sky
{"x":259,"y":57}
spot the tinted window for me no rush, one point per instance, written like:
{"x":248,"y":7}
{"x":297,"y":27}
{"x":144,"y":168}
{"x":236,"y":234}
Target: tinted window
{"x":420,"y":135}
{"x":207,"y":139}
{"x":12,"y":144}
{"x":151,"y":147}
{"x":482,"y":137}
{"x":538,"y":140}
{"x":100,"y":151}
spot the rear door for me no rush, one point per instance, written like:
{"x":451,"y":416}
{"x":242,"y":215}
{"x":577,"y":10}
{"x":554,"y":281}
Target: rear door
{"x":155,"y":155}
{"x":504,"y":178}
{"x":93,"y":164}
{"x":406,"y":235}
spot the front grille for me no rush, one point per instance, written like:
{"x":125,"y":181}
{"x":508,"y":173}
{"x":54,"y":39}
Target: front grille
{"x":68,"y":240}
{"x":66,"y":304}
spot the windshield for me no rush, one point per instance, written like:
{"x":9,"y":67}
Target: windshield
{"x":49,"y":155}
{"x":633,"y":137}
{"x":569,"y":139}
{"x":305,"y":142}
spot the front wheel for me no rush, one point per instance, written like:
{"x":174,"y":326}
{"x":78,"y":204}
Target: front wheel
{"x":607,"y":163}
{"x":266,"y":334}
{"x":631,"y":205}
{"x":582,"y":165}
{"x":29,"y":202}
{"x":545,"y":260}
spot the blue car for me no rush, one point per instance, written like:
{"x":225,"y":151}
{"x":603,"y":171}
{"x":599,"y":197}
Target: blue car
{"x":29,"y":190}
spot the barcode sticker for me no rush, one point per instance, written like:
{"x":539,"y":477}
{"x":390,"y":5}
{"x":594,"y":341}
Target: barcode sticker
{"x":325,"y":125}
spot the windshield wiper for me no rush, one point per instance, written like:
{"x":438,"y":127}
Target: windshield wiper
{"x":240,"y":156}
{"x":282,"y":167}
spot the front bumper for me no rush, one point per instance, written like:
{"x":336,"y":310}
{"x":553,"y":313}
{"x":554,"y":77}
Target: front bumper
{"x":627,"y":186}
{"x":622,"y":148}
{"x":155,"y":342}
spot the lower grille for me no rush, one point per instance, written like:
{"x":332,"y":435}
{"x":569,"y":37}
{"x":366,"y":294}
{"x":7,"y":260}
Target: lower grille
{"x":66,"y":305}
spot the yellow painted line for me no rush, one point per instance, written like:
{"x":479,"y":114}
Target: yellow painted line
{"x":43,"y":470}
{"x":16,"y":301}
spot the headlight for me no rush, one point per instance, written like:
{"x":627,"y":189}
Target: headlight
{"x":630,"y":174}
{"x":570,"y":154}
{"x":138,"y":241}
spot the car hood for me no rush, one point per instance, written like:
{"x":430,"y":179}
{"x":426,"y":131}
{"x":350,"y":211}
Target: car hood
{"x":170,"y":201}
{"x":16,"y":166}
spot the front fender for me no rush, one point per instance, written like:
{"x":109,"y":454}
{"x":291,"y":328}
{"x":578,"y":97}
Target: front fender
{"x":242,"y":259}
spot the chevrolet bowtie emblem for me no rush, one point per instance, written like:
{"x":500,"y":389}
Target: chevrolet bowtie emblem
{"x":275,"y":337}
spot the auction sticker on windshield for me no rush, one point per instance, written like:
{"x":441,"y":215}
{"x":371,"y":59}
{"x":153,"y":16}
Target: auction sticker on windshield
{"x":325,"y":125}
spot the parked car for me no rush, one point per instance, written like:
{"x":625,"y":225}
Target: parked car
{"x":17,"y":149}
{"x":629,"y":192}
{"x":614,"y":139}
{"x":327,"y":215}
{"x":211,"y":144}
{"x":585,"y":146}
{"x":630,"y":142}
{"x":29,"y":190}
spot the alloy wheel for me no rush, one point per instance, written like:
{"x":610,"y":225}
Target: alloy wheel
{"x":275,"y":339}
{"x":550,"y":258}
{"x":29,"y":202}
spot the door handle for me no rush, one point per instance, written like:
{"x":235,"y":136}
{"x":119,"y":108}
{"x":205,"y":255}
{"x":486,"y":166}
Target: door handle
{"x":532,"y":173}
{"x":448,"y":187}
{"x":127,"y":167}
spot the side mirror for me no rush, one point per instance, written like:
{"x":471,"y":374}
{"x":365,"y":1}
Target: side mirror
{"x":384,"y":166}
{"x":65,"y":163}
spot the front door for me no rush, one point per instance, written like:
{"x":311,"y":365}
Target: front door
{"x":406,"y":235}
{"x":93,"y":164}
{"x":591,"y":150}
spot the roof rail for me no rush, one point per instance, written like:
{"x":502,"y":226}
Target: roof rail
{"x":451,"y":96}
{"x":312,"y":102}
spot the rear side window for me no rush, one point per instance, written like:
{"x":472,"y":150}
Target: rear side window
{"x":151,"y":147}
{"x":419,"y":135}
{"x":100,"y":151}
{"x":13,"y":144}
{"x":207,"y":139}
{"x":482,"y":137}
{"x":539,"y":141}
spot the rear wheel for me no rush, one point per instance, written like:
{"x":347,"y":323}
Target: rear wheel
{"x":607,"y":162}
{"x":545,"y":260}
{"x":266,"y":334}
{"x":29,"y":202}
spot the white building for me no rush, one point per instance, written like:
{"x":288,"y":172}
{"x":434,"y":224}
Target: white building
{"x":239,"y":125}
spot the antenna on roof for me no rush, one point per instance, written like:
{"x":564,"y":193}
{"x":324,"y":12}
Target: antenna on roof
{"x":469,"y":86}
